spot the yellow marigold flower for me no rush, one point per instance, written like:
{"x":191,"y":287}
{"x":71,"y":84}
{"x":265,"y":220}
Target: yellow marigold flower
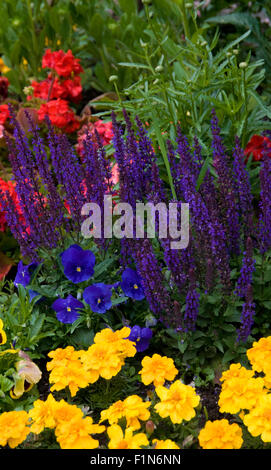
{"x":240,"y":394}
{"x":13,"y":428}
{"x":102,"y":359}
{"x":236,"y":371}
{"x":118,"y":340}
{"x":136,"y":409}
{"x":50,"y":413}
{"x":167,"y":444}
{"x":258,"y":420}
{"x":220,"y":434}
{"x":114,"y":412}
{"x":67,"y":370}
{"x":126,"y":440}
{"x":72,"y":376}
{"x":178,"y":402}
{"x":157,"y":369}
{"x":3,"y":336}
{"x":62,"y":356}
{"x":133,"y":408}
{"x":259,"y":355}
{"x":75,"y":434}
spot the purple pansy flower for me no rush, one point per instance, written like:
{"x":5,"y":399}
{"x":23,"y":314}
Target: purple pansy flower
{"x":67,"y":309}
{"x":131,"y":284}
{"x":98,"y":296}
{"x":78,"y":263}
{"x":24,"y":273}
{"x":141,"y":336}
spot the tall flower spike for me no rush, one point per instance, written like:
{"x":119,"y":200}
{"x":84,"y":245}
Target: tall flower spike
{"x":265,"y":205}
{"x":151,"y":276}
{"x":248,"y":266}
{"x":243,"y":188}
{"x":247,"y":316}
{"x":226,"y":188}
{"x":192,"y":304}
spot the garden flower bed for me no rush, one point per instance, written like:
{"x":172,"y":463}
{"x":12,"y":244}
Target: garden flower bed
{"x":135,"y":216}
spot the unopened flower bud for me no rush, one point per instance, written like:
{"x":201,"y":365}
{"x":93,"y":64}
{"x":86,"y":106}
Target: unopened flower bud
{"x":235,"y":51}
{"x":146,"y":1}
{"x":243,"y":65}
{"x":189,"y":5}
{"x":113,"y":78}
{"x":159,"y":68}
{"x":150,"y":427}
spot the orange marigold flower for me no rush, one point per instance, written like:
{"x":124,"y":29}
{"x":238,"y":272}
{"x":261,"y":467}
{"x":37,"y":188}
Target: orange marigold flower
{"x":167,"y":444}
{"x":177,"y":402}
{"x":157,"y":369}
{"x":75,"y":433}
{"x":125,"y":440}
{"x":258,"y":420}
{"x":220,"y":434}
{"x":13,"y":428}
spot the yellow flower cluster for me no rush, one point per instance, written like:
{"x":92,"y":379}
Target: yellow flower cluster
{"x":239,"y":389}
{"x":247,"y":395}
{"x":177,"y":402}
{"x":157,"y":369}
{"x":133,"y":409}
{"x":104,"y":358}
{"x":72,"y":429}
{"x":220,"y":434}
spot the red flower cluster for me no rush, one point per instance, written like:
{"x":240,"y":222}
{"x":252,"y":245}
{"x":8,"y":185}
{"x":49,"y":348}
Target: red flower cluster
{"x":4,"y":113}
{"x":54,"y":88}
{"x":63,"y":84}
{"x":65,"y":65}
{"x":60,"y":115}
{"x":7,"y":187}
{"x":257,"y":146}
{"x":104,"y":129}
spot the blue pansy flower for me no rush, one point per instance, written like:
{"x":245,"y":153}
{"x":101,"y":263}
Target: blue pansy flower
{"x":141,"y":336}
{"x":78,"y":263}
{"x":67,"y":309}
{"x":131,"y":284}
{"x":24,"y":273}
{"x":98,"y":296}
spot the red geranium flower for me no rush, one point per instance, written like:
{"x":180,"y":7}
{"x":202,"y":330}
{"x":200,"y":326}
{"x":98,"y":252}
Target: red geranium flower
{"x":4,"y":113}
{"x":65,"y":65}
{"x":67,"y":89}
{"x":59,"y":114}
{"x":257,"y":145}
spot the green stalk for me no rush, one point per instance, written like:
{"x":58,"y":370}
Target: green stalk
{"x":185,"y":19}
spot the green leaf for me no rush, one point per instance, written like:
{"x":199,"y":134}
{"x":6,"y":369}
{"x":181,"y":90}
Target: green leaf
{"x":203,"y":172}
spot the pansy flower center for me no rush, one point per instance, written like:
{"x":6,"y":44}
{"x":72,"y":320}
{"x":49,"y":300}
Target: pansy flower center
{"x":69,"y":309}
{"x":135,"y":286}
{"x":99,"y":301}
{"x":78,"y":269}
